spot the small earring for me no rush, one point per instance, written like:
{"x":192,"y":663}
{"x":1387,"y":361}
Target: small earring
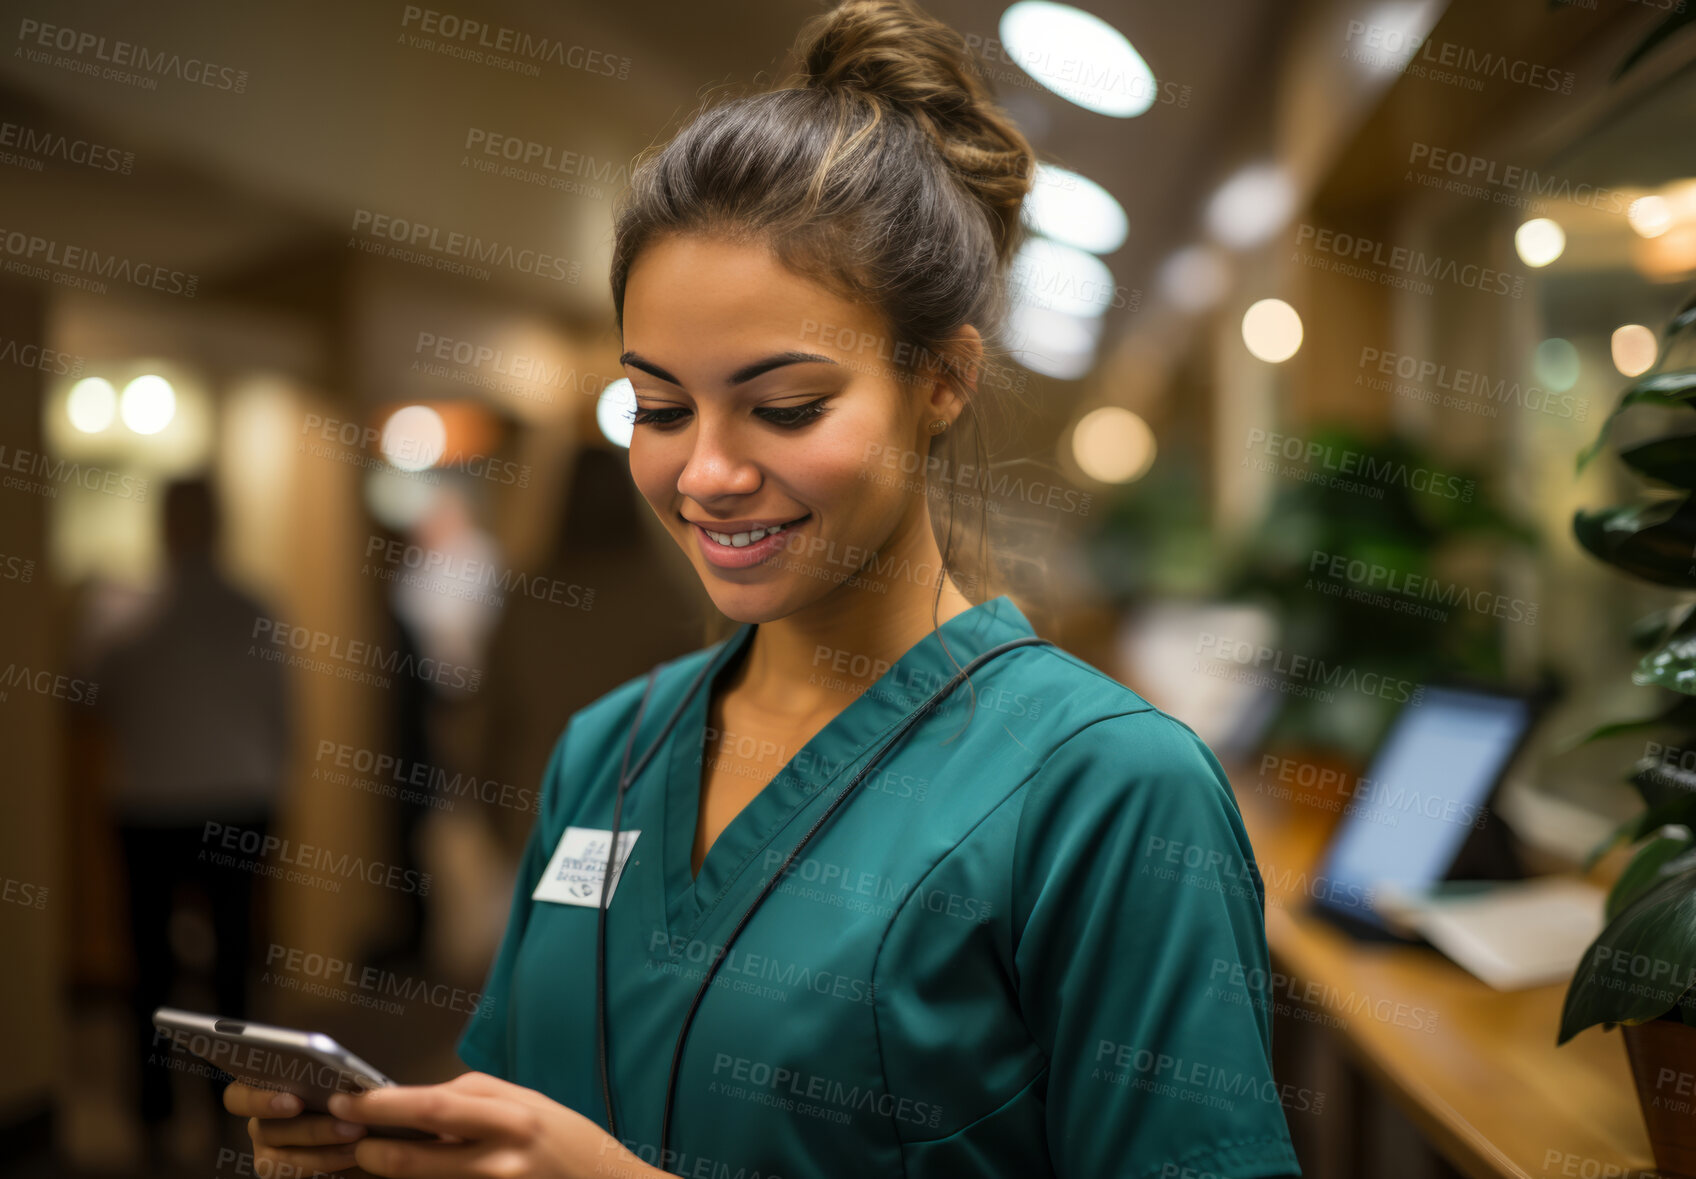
{"x":939,"y":425}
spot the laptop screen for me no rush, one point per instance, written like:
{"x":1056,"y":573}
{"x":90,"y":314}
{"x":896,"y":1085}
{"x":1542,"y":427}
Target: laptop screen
{"x":1423,"y":794}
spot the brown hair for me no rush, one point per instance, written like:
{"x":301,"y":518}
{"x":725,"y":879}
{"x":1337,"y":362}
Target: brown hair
{"x":882,"y":170}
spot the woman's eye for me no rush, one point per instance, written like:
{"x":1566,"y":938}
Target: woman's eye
{"x":788,"y":417}
{"x":642,"y":416}
{"x":794,"y":415}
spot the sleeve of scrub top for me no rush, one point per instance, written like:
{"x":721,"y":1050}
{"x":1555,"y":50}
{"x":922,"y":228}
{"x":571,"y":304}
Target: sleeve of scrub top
{"x":1140,"y":949}
{"x":486,"y":1044}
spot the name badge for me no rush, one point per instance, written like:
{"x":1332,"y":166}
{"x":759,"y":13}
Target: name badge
{"x":573,"y":876}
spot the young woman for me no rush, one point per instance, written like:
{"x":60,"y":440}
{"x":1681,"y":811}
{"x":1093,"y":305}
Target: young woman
{"x":872,"y":918}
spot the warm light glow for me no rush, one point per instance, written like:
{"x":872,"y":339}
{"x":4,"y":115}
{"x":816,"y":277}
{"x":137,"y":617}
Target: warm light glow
{"x":1069,"y":208}
{"x":1539,"y":241}
{"x":612,"y":412}
{"x":1078,"y":56}
{"x":1194,"y":278}
{"x":92,"y":405}
{"x":1634,"y":349}
{"x":1650,"y":215}
{"x":1113,"y":445}
{"x":1055,"y":277}
{"x":414,"y":438}
{"x":1251,"y":206}
{"x":1555,"y":364}
{"x":148,"y":404}
{"x":1272,"y":330}
{"x":1053,"y":343}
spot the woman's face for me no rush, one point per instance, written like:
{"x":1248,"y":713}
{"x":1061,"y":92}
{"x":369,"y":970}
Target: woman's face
{"x":763,"y":400}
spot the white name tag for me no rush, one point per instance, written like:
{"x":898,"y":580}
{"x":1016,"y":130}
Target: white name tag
{"x":573,"y":876}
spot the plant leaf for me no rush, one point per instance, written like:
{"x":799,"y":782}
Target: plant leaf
{"x":1643,"y":960}
{"x":1681,"y":714}
{"x":1673,"y":663}
{"x":1667,"y":460}
{"x":1653,"y":541}
{"x":1663,"y":389}
{"x":1639,"y":875}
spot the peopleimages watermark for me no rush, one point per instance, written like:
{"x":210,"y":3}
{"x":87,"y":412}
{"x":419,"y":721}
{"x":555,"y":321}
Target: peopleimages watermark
{"x":1083,"y":78}
{"x":31,"y":255}
{"x":461,"y":577}
{"x":672,"y":1161}
{"x":760,"y":975}
{"x":860,"y":891}
{"x":1230,"y":873}
{"x":35,"y":356}
{"x":23,"y":893}
{"x":500,"y":47}
{"x":1421,"y":379}
{"x":419,"y":782}
{"x":307,"y":972}
{"x":942,"y":476}
{"x":1514,"y":185}
{"x":346,"y":441}
{"x":846,"y":670}
{"x":1286,"y":995}
{"x":30,"y":148}
{"x":1357,"y":256}
{"x":56,"y":685}
{"x":1160,"y":1074}
{"x":1341,"y":575}
{"x":1305,"y":670}
{"x":1577,"y":1166}
{"x":41,"y":475}
{"x":1390,"y":47}
{"x":453,"y":251}
{"x":911,"y":362}
{"x":1337,"y":461}
{"x":812,"y":1094}
{"x":514,"y":157}
{"x":227,"y":844}
{"x":352,"y":659}
{"x":82,"y":52}
{"x":752,"y":755}
{"x":1377,"y":800}
{"x":487,"y":367}
{"x":18,"y":569}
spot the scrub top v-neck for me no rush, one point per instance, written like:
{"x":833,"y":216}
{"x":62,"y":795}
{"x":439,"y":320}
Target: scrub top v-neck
{"x":1031,"y":943}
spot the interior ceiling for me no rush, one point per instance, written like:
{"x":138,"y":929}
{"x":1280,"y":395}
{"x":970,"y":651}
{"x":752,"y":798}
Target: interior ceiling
{"x":342,"y":112}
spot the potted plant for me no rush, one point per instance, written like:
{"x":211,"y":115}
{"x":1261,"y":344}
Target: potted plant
{"x":1639,"y":971}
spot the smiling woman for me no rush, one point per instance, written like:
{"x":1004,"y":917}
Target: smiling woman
{"x":793,"y":905}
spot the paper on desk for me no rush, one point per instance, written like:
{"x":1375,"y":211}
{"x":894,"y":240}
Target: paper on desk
{"x":1512,"y":934}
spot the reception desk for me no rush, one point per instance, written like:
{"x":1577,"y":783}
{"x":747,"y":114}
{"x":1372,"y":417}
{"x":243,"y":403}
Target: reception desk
{"x":1474,"y":1070}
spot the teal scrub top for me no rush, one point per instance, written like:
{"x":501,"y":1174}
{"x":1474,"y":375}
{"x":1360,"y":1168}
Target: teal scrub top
{"x":1032,"y":943}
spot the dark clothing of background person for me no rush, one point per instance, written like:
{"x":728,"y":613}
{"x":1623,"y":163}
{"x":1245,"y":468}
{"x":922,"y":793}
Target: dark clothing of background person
{"x":198,"y":721}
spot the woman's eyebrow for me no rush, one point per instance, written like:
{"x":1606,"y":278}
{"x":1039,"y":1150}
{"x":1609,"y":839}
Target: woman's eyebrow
{"x":742,"y":375}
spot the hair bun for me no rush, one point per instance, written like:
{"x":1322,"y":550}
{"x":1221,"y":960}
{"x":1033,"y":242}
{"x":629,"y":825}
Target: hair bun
{"x":894,"y":53}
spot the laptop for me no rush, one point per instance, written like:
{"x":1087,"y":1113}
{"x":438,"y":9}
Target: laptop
{"x":1421,"y":812}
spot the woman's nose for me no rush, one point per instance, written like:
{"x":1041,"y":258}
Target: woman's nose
{"x":718,"y":465}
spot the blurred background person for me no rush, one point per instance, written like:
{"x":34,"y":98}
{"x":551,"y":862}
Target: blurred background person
{"x":199,"y":730}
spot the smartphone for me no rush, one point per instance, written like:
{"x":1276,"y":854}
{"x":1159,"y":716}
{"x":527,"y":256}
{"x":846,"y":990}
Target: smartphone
{"x":310,"y":1065}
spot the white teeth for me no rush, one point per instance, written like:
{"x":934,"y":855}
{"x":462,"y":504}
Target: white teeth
{"x":742,"y":539}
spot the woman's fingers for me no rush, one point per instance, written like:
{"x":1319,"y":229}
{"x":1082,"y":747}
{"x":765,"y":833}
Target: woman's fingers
{"x":249,"y":1101}
{"x":308,"y":1130}
{"x":440,"y":1109}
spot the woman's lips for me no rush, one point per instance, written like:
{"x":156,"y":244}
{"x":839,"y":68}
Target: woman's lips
{"x":731,"y":557}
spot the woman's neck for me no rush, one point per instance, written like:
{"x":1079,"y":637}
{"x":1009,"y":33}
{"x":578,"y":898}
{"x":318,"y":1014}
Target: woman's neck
{"x":815,"y":661}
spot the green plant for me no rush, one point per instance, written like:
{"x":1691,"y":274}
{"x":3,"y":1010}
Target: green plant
{"x":1369,"y":623}
{"x":1642,"y":964}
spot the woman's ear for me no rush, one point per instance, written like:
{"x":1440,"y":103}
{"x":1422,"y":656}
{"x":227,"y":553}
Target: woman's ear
{"x":956,"y":374}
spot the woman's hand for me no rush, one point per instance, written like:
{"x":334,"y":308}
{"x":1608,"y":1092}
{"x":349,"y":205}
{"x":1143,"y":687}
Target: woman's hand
{"x":289,"y":1143}
{"x":493,"y":1129}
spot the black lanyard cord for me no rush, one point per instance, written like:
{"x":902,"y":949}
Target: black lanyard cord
{"x":719,"y":955}
{"x":625,"y":777}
